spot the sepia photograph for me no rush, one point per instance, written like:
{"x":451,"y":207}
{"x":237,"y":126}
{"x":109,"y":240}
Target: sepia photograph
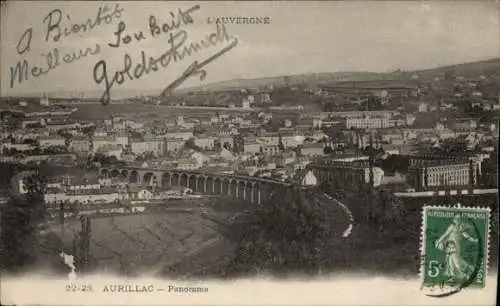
{"x":249,"y":152}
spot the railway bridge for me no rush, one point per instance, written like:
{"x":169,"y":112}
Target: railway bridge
{"x":248,"y":188}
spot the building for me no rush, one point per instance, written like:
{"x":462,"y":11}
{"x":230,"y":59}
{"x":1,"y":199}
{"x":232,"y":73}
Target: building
{"x":438,"y":174}
{"x":18,"y":185}
{"x":188,"y":164}
{"x":466,"y":125}
{"x":156,"y":145}
{"x":111,"y":150}
{"x":367,"y":122}
{"x":428,"y":159}
{"x":352,"y":174}
{"x":174,"y":144}
{"x":52,"y":141}
{"x":86,"y":190}
{"x":206,"y":143}
{"x":410,"y":119}
{"x":16,"y":147}
{"x":246,"y":104}
{"x":238,"y":143}
{"x":269,"y":149}
{"x":100,"y":141}
{"x":179,"y":133}
{"x":84,"y":196}
{"x":122,"y":138}
{"x":309,"y":179}
{"x":341,"y":160}
{"x":312,"y":149}
{"x":422,"y":107}
{"x":359,"y":114}
{"x":80,"y":144}
{"x":251,"y":146}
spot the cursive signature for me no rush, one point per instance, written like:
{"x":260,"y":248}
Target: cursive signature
{"x":179,"y":49}
{"x":196,"y":69}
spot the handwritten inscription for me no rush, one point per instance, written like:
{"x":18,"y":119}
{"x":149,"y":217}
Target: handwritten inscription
{"x":56,"y":30}
{"x":177,"y":50}
{"x":22,"y":70}
{"x":126,"y":39}
{"x":196,"y":67}
{"x":182,"y":18}
{"x":59,"y":25}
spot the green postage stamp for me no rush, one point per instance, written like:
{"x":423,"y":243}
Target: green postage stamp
{"x":454,"y":248}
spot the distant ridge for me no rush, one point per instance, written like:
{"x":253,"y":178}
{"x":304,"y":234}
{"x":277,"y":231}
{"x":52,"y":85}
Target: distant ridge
{"x":490,"y":66}
{"x":310,"y":78}
{"x":486,"y":66}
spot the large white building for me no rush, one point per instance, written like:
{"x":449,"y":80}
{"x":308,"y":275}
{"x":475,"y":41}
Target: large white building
{"x":179,"y":133}
{"x":206,"y":143}
{"x":157,"y":145}
{"x":367,"y":122}
{"x":443,"y":174}
{"x":351,"y":173}
{"x":174,"y":144}
{"x":51,"y":141}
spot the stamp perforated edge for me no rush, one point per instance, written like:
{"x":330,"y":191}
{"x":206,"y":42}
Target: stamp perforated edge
{"x":453,"y":208}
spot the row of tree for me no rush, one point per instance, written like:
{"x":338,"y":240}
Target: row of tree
{"x":35,"y":151}
{"x":103,"y":159}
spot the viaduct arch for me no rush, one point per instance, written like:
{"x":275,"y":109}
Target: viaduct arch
{"x":247,"y":188}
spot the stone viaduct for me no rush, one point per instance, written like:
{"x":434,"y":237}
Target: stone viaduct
{"x":248,"y":188}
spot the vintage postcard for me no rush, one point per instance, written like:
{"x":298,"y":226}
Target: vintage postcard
{"x":249,"y":153}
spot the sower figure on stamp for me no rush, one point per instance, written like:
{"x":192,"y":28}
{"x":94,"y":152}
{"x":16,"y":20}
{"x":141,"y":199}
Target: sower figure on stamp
{"x":456,"y":267}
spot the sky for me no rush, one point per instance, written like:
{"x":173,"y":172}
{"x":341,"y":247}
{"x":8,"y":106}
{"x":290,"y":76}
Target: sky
{"x":302,"y":37}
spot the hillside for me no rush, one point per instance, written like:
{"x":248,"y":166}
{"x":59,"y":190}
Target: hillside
{"x":312,"y":78}
{"x":491,"y":66}
{"x":488,"y":67}
{"x":474,"y":69}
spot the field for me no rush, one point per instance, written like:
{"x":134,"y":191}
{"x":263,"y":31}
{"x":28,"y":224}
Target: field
{"x":96,"y":111}
{"x":187,"y":239}
{"x":149,"y":242}
{"x":177,"y":240}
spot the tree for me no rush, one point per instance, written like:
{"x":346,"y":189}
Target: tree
{"x":19,"y":221}
{"x":371,"y":103}
{"x":190,"y":144}
{"x":198,"y":130}
{"x":327,"y":150}
{"x":30,"y":141}
{"x":112,"y":160}
{"x":449,"y":75}
{"x":88,"y":130}
{"x":291,"y":233}
{"x":36,"y":185}
{"x":227,"y":146}
{"x":217,"y":145}
{"x":286,"y":80}
{"x":370,"y":151}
